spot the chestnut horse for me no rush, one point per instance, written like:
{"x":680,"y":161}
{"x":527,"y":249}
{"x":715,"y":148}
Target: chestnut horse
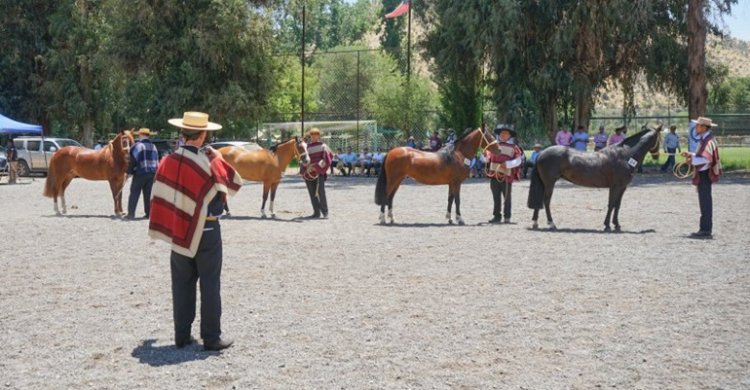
{"x":612,"y":167}
{"x":108,"y":163}
{"x":265,"y":165}
{"x":449,"y":165}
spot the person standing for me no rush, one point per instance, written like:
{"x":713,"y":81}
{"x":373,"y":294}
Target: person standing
{"x":190,"y":190}
{"x":600,"y":139}
{"x":314,"y":173}
{"x":707,"y":171}
{"x":435,"y":142}
{"x":504,"y":170}
{"x":618,"y":136}
{"x":581,"y":138}
{"x":144,"y":160}
{"x":563,"y":137}
{"x":531,"y":162}
{"x":671,"y":146}
{"x":12,"y":155}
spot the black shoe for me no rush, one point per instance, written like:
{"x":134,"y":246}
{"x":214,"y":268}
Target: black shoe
{"x":495,"y":220}
{"x":313,"y":216}
{"x":130,"y":217}
{"x":182,"y":343}
{"x":218,"y":345}
{"x":506,"y":220}
{"x":324,"y":216}
{"x":701,"y":234}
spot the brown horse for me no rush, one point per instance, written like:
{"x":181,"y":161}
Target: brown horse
{"x":109,"y":163}
{"x":266,"y":165}
{"x":612,"y":167}
{"x":449,"y":165}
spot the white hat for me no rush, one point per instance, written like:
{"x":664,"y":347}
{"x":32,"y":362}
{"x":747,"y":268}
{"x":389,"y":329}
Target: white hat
{"x":194,"y":121}
{"x":702,"y":120}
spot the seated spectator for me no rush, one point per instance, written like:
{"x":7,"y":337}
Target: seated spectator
{"x":365,"y":161}
{"x":377,"y":161}
{"x":335,"y":161}
{"x":411,"y":143}
{"x":532,"y":160}
{"x":476,"y":168}
{"x":435,"y":142}
{"x":348,"y":160}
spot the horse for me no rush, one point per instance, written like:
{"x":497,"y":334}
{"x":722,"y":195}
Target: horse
{"x":108,"y":163}
{"x":612,"y":167}
{"x":449,"y":165}
{"x":266,"y":165}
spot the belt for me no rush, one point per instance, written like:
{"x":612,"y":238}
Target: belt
{"x":211,"y":219}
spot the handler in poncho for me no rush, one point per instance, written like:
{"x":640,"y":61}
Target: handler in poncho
{"x":190,"y":189}
{"x":707,"y":171}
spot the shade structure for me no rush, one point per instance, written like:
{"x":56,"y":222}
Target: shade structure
{"x":9,"y":126}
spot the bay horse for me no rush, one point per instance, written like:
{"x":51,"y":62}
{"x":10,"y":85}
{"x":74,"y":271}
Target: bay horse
{"x":449,"y":165}
{"x":612,"y":167}
{"x":108,"y":163}
{"x":266,"y":165}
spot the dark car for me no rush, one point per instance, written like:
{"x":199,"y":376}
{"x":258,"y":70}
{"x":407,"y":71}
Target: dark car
{"x":163,"y":146}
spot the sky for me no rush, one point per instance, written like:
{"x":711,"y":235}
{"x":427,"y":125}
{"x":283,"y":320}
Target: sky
{"x":738,"y":23}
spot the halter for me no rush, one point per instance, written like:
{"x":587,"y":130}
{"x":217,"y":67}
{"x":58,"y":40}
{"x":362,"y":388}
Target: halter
{"x":484,"y":138}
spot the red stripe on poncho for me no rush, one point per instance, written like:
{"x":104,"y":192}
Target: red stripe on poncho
{"x":184,"y":185}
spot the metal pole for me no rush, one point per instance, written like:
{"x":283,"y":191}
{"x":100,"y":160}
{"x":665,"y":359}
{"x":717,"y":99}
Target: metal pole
{"x":408,"y":74}
{"x":358,"y":86}
{"x":302,"y":61}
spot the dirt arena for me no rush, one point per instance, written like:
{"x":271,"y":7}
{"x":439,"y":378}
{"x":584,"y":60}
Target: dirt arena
{"x":348,"y":304}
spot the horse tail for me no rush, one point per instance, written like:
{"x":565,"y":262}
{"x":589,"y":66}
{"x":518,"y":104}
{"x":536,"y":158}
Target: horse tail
{"x":380,"y":196}
{"x":536,"y":189}
{"x":50,"y":189}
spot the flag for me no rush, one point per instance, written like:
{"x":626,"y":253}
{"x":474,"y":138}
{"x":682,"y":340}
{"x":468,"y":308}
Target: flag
{"x":400,"y":10}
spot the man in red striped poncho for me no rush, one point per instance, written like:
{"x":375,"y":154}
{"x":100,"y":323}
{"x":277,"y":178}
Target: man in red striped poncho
{"x":707,"y":171}
{"x":314,"y":173}
{"x":189,"y":193}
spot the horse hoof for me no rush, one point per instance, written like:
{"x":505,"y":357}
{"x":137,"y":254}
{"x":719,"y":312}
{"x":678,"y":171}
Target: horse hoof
{"x":607,"y":228}
{"x":273,"y":216}
{"x":263,"y":216}
{"x":535,"y":226}
{"x":450,"y":222}
{"x":461,"y":222}
{"x":617,"y":228}
{"x":551,"y":226}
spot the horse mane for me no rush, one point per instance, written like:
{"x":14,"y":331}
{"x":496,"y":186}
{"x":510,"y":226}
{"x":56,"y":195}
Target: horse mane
{"x":275,"y":146}
{"x":633,"y":140}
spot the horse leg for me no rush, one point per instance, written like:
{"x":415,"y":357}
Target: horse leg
{"x":450,"y":203}
{"x":265,"y":197}
{"x":390,"y":208}
{"x":618,"y":201}
{"x":547,"y":199}
{"x":274,"y":186}
{"x":457,"y":199}
{"x":63,"y":186}
{"x":606,"y":219}
{"x":393,"y":183}
{"x":535,"y":219}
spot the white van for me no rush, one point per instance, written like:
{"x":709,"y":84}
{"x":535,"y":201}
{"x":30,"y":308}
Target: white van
{"x":33,"y":156}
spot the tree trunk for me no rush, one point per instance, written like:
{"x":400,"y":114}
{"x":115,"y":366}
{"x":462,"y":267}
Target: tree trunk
{"x":583,"y":107}
{"x":549,"y":112}
{"x":697,"y":58}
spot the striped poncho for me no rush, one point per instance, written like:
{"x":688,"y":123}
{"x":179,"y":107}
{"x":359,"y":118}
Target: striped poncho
{"x":709,"y":151}
{"x":185,"y":184}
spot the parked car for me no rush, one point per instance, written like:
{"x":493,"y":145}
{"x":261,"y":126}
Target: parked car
{"x":3,"y":161}
{"x":33,"y":156}
{"x":250,"y":146}
{"x":163,"y":146}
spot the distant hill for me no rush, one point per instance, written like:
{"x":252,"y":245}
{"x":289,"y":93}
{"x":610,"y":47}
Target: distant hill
{"x":733,"y":53}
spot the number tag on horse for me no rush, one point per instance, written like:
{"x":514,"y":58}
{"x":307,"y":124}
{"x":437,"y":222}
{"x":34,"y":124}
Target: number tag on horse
{"x":632,"y":162}
{"x":467,"y":161}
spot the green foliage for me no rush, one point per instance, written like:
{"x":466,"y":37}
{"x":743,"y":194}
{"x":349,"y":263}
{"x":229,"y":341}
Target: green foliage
{"x":732,"y":95}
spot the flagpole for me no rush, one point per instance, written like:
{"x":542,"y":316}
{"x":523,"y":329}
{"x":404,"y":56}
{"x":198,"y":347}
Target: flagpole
{"x":302,"y":60}
{"x":408,"y":72}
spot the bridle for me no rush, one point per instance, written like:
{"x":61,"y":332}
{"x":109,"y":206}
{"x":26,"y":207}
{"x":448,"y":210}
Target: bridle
{"x":484,"y":139}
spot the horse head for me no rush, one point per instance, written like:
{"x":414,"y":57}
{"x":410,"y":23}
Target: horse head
{"x":300,"y":150}
{"x":654,"y":150}
{"x":643,"y":142}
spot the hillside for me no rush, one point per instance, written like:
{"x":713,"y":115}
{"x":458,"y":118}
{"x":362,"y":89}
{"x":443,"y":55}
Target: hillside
{"x":732,"y":53}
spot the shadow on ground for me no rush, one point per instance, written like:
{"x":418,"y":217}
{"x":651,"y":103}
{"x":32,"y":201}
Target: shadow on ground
{"x":167,"y":355}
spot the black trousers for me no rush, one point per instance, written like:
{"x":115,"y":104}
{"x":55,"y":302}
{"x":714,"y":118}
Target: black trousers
{"x":706,"y":202}
{"x":140,"y":183}
{"x":319,"y":203}
{"x":500,"y":189}
{"x":206,"y":267}
{"x":669,"y":164}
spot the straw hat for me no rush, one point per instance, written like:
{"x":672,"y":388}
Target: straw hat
{"x":314,"y":130}
{"x":194,"y":121}
{"x":702,"y":120}
{"x":537,"y":146}
{"x":144,"y":131}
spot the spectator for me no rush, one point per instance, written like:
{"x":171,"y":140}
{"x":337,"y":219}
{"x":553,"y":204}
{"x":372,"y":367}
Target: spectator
{"x":144,"y":161}
{"x":411,"y":143}
{"x":477,"y":164}
{"x":365,"y":161}
{"x":435,"y":142}
{"x":348,"y":160}
{"x":563,"y":137}
{"x":100,"y":144}
{"x":671,"y":145}
{"x":451,"y":138}
{"x":335,"y":161}
{"x":600,"y":140}
{"x":532,"y":160}
{"x":377,"y":161}
{"x":617,"y":136}
{"x":12,"y":155}
{"x":581,"y":138}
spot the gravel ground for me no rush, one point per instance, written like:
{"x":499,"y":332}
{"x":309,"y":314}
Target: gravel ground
{"x":346,"y":303}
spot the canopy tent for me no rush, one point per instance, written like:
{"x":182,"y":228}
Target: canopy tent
{"x":9,"y":126}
